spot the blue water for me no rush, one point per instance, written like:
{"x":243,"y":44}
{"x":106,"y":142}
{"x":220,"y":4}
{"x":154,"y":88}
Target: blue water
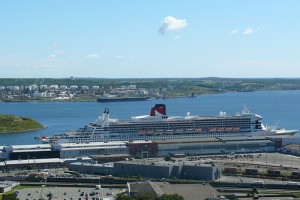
{"x":276,"y":107}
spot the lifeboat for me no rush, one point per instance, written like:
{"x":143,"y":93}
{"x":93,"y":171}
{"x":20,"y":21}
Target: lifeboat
{"x":188,"y":131}
{"x":179,"y":131}
{"x":220,"y":129}
{"x":236,"y":129}
{"x":198,"y":130}
{"x":212,"y":130}
{"x":141,"y":132}
{"x":150,"y":132}
{"x":159,"y":132}
{"x":169,"y":132}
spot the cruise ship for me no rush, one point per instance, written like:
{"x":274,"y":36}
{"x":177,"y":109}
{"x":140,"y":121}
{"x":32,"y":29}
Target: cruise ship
{"x":159,"y":126}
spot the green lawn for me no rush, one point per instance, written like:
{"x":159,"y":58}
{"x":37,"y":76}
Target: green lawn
{"x":10,"y":124}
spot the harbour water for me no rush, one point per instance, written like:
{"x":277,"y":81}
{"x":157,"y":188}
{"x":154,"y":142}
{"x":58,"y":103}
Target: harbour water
{"x":276,"y":107}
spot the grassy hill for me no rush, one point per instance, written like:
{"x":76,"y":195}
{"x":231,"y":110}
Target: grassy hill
{"x":12,"y":124}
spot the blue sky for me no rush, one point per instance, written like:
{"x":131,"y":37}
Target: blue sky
{"x":149,"y":39}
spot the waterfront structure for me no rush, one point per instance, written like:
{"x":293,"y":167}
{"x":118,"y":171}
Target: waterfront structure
{"x":140,"y":148}
{"x":159,"y":126}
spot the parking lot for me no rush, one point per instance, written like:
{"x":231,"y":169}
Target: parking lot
{"x":67,"y":193}
{"x":275,"y":160}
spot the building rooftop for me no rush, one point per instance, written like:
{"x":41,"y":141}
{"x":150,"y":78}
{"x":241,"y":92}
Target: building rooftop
{"x":92,"y":144}
{"x":295,"y":147}
{"x":31,"y":146}
{"x":189,"y":140}
{"x":143,"y":187}
{"x":110,"y":156}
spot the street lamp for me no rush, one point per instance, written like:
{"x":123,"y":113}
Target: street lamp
{"x":45,"y":181}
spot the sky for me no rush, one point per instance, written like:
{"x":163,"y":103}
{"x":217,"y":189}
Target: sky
{"x":150,"y":39}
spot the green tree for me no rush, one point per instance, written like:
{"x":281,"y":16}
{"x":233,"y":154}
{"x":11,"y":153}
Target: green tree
{"x":149,"y":196}
{"x":9,"y":197}
{"x":171,"y":197}
{"x":168,"y":158}
{"x":144,"y":196}
{"x":123,"y":197}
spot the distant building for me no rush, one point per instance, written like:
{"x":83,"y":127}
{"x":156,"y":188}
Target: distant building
{"x":84,"y":87}
{"x":143,"y":92}
{"x":15,"y":88}
{"x":63,"y":87}
{"x":6,"y":186}
{"x":74,"y":87}
{"x":53,"y":87}
{"x":43,"y":87}
{"x":32,"y":87}
{"x":39,"y":94}
{"x":132,"y":87}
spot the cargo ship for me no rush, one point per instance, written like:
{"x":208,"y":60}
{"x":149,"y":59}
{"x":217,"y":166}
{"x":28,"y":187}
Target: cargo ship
{"x":104,"y":99}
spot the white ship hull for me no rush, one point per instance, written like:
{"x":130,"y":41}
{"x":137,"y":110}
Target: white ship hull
{"x":159,"y":126}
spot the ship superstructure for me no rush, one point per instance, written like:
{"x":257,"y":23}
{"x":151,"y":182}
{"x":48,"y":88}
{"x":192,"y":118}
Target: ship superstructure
{"x":158,"y":125}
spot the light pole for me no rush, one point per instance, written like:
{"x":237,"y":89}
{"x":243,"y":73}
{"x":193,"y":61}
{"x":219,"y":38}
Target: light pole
{"x":45,"y":181}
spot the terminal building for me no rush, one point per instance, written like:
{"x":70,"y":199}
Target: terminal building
{"x":150,"y":169}
{"x":116,"y":151}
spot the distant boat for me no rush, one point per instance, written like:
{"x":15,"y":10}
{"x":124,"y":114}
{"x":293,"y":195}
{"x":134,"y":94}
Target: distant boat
{"x":246,"y":90}
{"x":105,"y":99}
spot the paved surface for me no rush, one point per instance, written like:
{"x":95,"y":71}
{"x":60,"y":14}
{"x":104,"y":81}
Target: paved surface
{"x":67,"y":193}
{"x":189,"y":191}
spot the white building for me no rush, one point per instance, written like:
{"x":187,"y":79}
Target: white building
{"x":39,"y":94}
{"x":73,"y":87}
{"x":32,"y":87}
{"x":143,"y":92}
{"x":15,"y":88}
{"x":132,"y":87}
{"x":95,"y":87}
{"x":84,"y":87}
{"x":63,"y":87}
{"x":44,"y":87}
{"x":53,"y":87}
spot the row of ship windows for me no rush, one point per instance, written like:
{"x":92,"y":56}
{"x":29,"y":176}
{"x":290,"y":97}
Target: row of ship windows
{"x":177,"y":125}
{"x":183,"y":124}
{"x":134,"y":131}
{"x":173,"y":137}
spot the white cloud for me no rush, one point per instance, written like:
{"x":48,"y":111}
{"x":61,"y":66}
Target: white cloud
{"x":171,"y":23}
{"x":248,"y":31}
{"x":52,"y":56}
{"x":56,"y":53}
{"x":234,"y":31}
{"x":119,"y":56}
{"x":93,"y":56}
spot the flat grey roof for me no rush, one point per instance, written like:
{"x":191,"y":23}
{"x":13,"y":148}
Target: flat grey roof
{"x":92,"y":144}
{"x":30,"y":146}
{"x":189,"y":140}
